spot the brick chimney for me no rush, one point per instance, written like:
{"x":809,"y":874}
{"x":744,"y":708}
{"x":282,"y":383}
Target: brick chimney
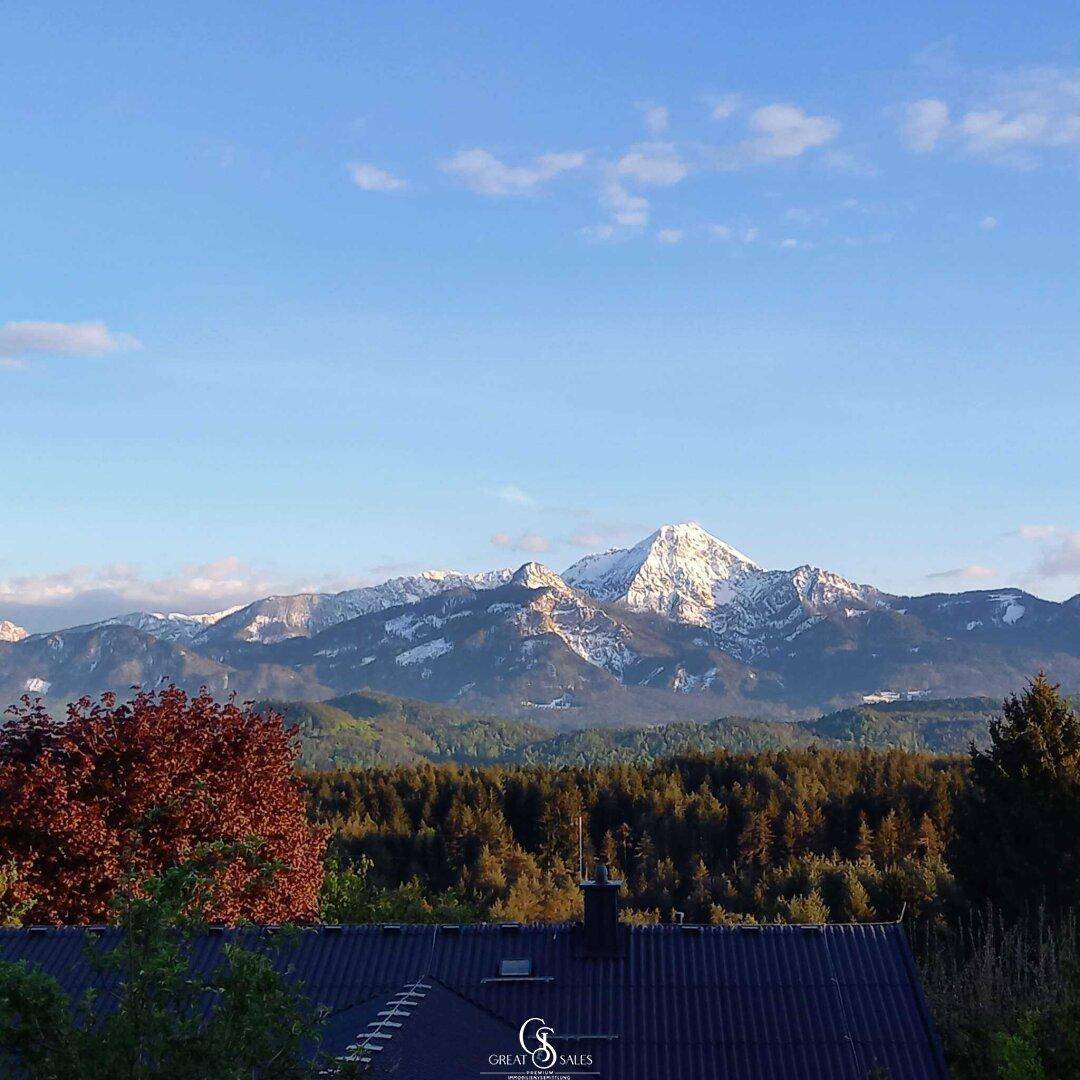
{"x":601,"y":936}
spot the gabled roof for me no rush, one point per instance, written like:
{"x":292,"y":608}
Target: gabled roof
{"x":682,"y":1003}
{"x":425,"y":1027}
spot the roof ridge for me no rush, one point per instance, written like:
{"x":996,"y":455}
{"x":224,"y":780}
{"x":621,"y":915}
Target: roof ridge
{"x":487,"y":1010}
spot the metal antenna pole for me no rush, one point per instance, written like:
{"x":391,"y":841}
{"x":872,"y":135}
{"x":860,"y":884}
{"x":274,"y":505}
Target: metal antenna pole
{"x":580,"y":849}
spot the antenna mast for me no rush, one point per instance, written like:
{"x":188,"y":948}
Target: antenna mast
{"x":580,"y":849}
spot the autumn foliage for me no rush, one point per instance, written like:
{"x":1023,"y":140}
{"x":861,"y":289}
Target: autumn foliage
{"x":118,"y":792}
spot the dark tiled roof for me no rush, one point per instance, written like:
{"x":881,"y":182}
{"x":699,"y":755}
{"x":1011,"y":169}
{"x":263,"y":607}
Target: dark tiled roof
{"x":683,"y":1003}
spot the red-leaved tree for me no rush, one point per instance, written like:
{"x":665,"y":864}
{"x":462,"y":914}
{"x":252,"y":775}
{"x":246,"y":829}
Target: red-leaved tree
{"x":119,"y":792}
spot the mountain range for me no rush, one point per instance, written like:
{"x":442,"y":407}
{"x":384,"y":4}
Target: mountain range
{"x":681,"y":626}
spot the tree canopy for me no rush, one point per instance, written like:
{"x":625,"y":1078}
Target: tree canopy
{"x":134,"y":788}
{"x":1019,"y":839}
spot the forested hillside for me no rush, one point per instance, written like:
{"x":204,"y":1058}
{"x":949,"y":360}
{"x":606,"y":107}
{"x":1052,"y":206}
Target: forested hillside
{"x":796,"y":834}
{"x":368,"y":728}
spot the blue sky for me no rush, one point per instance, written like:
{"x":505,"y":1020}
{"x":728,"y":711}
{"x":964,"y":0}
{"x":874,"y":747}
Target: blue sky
{"x":306,"y":295}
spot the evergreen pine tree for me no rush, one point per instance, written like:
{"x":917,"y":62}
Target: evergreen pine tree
{"x":1019,"y":833}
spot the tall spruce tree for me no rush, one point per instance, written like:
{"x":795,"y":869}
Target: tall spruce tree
{"x":1019,"y":833}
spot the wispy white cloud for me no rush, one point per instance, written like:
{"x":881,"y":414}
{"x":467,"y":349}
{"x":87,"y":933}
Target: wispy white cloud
{"x":587,"y":539}
{"x":670,"y":236}
{"x":654,"y":117}
{"x":848,"y":162}
{"x":973,"y":572}
{"x":600,"y":534}
{"x":732,"y":234}
{"x":1061,"y":558}
{"x":1037,"y":532}
{"x":990,"y":131}
{"x":533,"y":543}
{"x":1027,"y":111}
{"x":775,"y":132}
{"x":87,"y":593}
{"x":626,"y":208}
{"x":655,"y":164}
{"x":485,"y":174}
{"x":783,"y":131}
{"x":1059,"y":554}
{"x":720,"y":108}
{"x":369,"y":177}
{"x":511,"y":493}
{"x":22,"y":342}
{"x":924,"y":124}
{"x":19,"y":341}
{"x":599,"y":234}
{"x":988,"y":223}
{"x":1015,"y":118}
{"x":625,"y":180}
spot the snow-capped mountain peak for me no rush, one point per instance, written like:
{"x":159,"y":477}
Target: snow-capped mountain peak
{"x":10,"y":632}
{"x":168,"y":626}
{"x":534,"y":575}
{"x":680,"y":571}
{"x":689,"y":576}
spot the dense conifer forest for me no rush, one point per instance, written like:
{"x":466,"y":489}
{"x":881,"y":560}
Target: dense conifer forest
{"x":809,"y":835}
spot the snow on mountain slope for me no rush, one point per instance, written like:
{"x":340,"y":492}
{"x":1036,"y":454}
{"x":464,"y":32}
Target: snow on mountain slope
{"x":690,"y":576}
{"x":107,"y":657}
{"x":474,"y":635}
{"x":681,"y":615}
{"x":174,"y":626}
{"x":583,"y":628}
{"x":534,"y":575}
{"x":277,"y":618}
{"x":680,"y":571}
{"x":769,"y":609}
{"x":10,"y":632}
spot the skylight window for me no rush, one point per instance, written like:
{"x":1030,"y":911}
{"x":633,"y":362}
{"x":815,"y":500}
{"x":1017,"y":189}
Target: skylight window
{"x":515,"y":969}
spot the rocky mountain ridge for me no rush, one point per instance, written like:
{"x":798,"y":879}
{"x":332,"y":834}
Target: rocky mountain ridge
{"x":10,"y":632}
{"x":681,"y":625}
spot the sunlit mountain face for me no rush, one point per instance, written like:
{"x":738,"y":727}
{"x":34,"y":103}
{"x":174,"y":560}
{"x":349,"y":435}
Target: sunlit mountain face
{"x":678,"y":626}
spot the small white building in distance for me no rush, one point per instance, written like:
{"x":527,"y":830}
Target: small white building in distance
{"x":880,"y":697}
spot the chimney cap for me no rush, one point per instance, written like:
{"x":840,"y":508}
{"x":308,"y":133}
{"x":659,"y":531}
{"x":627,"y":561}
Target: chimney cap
{"x":602,"y":879}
